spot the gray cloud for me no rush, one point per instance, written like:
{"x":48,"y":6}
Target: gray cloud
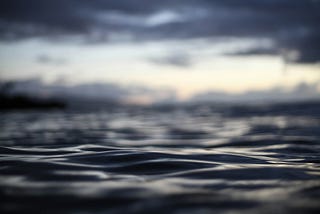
{"x":292,"y":25}
{"x":176,"y":59}
{"x":46,"y":59}
{"x":94,"y":91}
{"x":138,"y":93}
{"x":300,"y":92}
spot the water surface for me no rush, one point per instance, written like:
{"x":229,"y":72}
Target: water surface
{"x":191,"y":159}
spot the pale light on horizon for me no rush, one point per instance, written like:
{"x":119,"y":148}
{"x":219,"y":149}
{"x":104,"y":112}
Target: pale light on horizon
{"x":129,"y":64}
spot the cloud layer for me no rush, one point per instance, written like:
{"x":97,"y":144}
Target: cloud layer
{"x":94,"y":92}
{"x":135,"y":94}
{"x":300,"y":92}
{"x":291,"y":25}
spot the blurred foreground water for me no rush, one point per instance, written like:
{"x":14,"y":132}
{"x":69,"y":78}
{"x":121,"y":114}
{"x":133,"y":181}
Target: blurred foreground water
{"x":187,"y":159}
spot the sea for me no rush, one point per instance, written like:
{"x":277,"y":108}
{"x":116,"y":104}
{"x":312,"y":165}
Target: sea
{"x":179,"y":159}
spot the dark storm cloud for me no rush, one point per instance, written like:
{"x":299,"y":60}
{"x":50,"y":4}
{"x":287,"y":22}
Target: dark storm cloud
{"x":292,"y":25}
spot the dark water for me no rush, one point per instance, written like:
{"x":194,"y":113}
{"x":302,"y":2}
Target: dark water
{"x":200,"y":159}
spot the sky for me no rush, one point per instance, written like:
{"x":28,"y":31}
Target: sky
{"x":146,"y":50}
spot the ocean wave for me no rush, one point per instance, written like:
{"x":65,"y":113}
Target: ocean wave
{"x":159,"y":162}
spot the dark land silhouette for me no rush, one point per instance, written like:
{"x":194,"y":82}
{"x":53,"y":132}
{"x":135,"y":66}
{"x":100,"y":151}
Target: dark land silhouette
{"x":11,"y":101}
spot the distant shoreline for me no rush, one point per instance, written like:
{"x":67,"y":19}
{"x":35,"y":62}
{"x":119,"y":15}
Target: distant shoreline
{"x":19,"y":101}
